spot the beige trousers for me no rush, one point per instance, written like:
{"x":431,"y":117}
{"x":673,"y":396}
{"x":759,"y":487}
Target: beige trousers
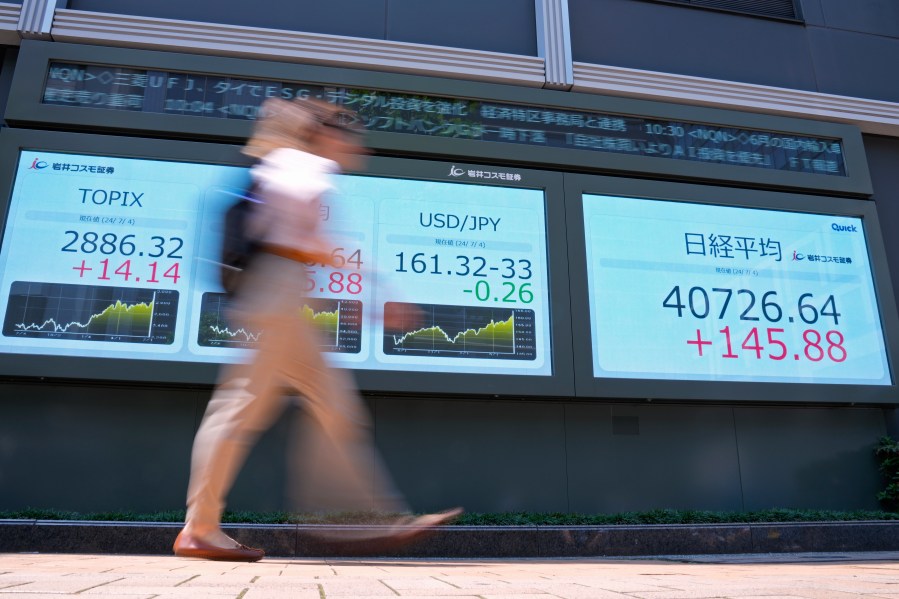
{"x":251,"y":396}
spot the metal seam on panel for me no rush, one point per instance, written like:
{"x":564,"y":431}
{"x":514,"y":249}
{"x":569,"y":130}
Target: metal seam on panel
{"x":78,"y":26}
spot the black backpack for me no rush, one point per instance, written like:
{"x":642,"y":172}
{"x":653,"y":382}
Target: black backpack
{"x":238,"y":245}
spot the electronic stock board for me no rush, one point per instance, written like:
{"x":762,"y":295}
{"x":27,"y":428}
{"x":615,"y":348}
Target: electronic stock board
{"x":693,"y":290}
{"x":113,"y":257}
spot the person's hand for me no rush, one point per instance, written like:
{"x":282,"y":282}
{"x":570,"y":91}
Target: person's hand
{"x":409,"y":318}
{"x":323,"y":258}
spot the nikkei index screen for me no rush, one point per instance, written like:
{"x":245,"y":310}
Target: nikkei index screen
{"x":705,"y":292}
{"x":115,"y":257}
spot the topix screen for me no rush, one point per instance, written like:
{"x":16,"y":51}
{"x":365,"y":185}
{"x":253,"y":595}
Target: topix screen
{"x":109,"y":257}
{"x":689,"y":291}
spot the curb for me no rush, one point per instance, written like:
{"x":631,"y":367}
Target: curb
{"x":300,"y":540}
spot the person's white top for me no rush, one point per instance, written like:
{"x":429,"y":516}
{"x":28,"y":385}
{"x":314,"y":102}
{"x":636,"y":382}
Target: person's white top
{"x":291,"y":184}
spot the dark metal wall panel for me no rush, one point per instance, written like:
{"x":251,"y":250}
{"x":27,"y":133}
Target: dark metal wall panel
{"x":883,"y":156}
{"x":809,"y":458}
{"x":124,"y":449}
{"x":93,"y":448}
{"x":507,"y":26}
{"x":7,"y":68}
{"x":876,"y":17}
{"x":642,"y":457}
{"x":812,"y":13}
{"x":487,"y":456}
{"x":686,"y":41}
{"x":128,"y":449}
{"x":855,"y":64}
{"x":355,"y":18}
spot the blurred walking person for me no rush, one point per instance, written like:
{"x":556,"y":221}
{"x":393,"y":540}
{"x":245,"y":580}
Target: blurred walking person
{"x":300,"y":144}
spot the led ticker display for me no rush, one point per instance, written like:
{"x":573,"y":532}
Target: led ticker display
{"x":689,"y":291}
{"x":113,"y":257}
{"x":119,"y":88}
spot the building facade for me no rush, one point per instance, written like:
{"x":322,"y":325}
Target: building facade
{"x":653,"y":238}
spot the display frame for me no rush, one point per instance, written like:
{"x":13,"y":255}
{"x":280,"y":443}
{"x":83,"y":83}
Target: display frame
{"x":590,"y":386}
{"x":26,"y":109}
{"x":168,"y":372}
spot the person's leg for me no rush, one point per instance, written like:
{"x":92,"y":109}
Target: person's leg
{"x":245,"y":404}
{"x":237,"y":414}
{"x":358,"y":478}
{"x":342,"y":443}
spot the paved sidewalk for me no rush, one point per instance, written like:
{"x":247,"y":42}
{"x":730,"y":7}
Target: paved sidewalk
{"x":801,"y":576}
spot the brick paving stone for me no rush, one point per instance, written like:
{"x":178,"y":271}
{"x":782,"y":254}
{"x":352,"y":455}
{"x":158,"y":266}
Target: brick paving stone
{"x":131,"y":592}
{"x":58,"y":596}
{"x":843,"y":576}
{"x":623,"y":586}
{"x":167,"y":595}
{"x":64,"y":583}
{"x":412,"y":595}
{"x":707,"y":593}
{"x":285,"y":592}
{"x":464,"y":582}
{"x":412,"y":582}
{"x":442,"y":592}
{"x":8,"y":581}
{"x":282,"y":593}
{"x":156,"y":580}
{"x":576,"y":591}
{"x":361,"y":585}
{"x":516,"y":596}
{"x":496,"y":591}
{"x":827,"y":594}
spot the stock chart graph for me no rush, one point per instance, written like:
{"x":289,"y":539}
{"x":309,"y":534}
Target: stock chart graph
{"x":459,"y":331}
{"x":90,"y":313}
{"x":339,"y":323}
